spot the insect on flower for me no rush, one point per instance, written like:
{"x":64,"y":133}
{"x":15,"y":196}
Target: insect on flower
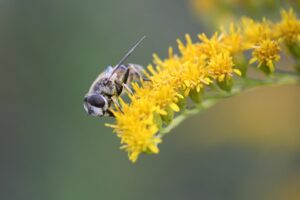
{"x":110,"y":84}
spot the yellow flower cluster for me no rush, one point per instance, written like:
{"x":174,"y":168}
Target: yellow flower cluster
{"x":289,"y":27}
{"x":199,"y":64}
{"x":215,"y":12}
{"x":266,"y":53}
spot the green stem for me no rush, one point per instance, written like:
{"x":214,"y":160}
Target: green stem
{"x":243,"y":85}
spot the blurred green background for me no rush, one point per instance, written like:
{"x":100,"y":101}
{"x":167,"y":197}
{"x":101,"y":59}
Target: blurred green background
{"x":246,"y":147}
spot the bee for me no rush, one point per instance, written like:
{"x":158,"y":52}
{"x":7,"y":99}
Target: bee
{"x":110,"y":84}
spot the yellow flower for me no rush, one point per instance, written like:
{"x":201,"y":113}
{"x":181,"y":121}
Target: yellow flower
{"x":139,"y":121}
{"x":193,"y":74}
{"x":233,"y":39}
{"x":266,"y":53}
{"x":212,"y":46}
{"x":221,"y":65}
{"x":136,"y":124}
{"x":289,"y":26}
{"x":190,"y":52}
{"x":254,"y":32}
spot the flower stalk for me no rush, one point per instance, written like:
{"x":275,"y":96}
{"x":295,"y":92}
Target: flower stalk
{"x":245,"y":85}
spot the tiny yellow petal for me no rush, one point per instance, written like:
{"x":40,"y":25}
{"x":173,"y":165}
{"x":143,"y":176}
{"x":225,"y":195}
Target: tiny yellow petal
{"x":153,"y":149}
{"x":270,"y":65}
{"x":180,"y":96}
{"x":253,"y":60}
{"x":187,"y":91}
{"x":170,"y":52}
{"x":110,"y":125}
{"x":151,"y":69}
{"x":188,"y":39}
{"x":238,"y":72}
{"x":187,"y":83}
{"x":162,"y":112}
{"x":206,"y":81}
{"x":133,"y":157}
{"x":174,"y":107}
{"x":122,"y":103}
{"x":221,"y":78}
{"x":198,"y":88}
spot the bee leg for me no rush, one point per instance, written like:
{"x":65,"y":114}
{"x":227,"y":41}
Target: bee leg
{"x":126,"y":76}
{"x":138,"y":71}
{"x":117,"y":104}
{"x":122,"y":85}
{"x":146,"y":79}
{"x":119,"y":83}
{"x":110,"y":113}
{"x":125,"y":86}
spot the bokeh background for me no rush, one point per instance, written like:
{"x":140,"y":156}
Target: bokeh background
{"x":245,"y":148}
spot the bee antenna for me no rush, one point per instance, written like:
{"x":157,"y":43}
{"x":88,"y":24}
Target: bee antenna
{"x":131,"y":50}
{"x":129,"y":53}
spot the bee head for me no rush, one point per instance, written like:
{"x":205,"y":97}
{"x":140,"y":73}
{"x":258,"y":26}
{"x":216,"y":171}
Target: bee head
{"x":95,"y":104}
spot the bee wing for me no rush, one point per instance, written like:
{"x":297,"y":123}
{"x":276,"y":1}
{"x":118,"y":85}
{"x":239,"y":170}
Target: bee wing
{"x":118,"y":72}
{"x":105,"y":74}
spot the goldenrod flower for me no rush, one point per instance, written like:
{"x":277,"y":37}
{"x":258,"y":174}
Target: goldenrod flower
{"x":254,"y":32}
{"x":221,"y":66}
{"x":266,"y":53}
{"x":137,"y":124}
{"x":212,"y":46}
{"x":233,"y":39}
{"x":289,"y":26}
{"x":198,"y":64}
{"x":193,"y":74}
{"x":216,"y":12}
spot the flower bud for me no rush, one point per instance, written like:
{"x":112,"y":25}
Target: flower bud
{"x":226,"y":84}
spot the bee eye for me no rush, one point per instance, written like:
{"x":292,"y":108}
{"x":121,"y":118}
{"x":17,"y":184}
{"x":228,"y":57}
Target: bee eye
{"x":96,"y":100}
